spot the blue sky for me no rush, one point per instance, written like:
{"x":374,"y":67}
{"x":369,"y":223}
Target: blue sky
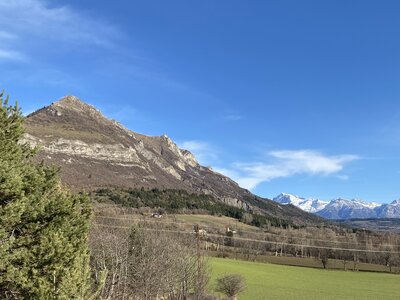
{"x":284,"y":96}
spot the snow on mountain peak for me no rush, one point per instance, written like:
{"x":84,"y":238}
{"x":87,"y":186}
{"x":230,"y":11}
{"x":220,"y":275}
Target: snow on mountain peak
{"x":341,"y":208}
{"x":396,"y":202}
{"x":310,"y":205}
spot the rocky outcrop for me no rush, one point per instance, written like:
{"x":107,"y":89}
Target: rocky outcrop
{"x":108,"y":152}
{"x":70,"y":131}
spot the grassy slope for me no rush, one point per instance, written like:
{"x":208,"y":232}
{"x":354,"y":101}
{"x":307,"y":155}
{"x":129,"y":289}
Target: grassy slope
{"x":217,"y":222}
{"x":268,"y":281}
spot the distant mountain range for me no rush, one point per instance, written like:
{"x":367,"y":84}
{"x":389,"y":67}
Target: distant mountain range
{"x":342,"y":209}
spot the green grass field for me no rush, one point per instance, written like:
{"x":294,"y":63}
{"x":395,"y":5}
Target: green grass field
{"x":217,"y":222}
{"x":308,"y":262}
{"x":269,"y":281}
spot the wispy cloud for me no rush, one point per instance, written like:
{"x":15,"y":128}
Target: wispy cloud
{"x":47,"y":35}
{"x":233,"y":117}
{"x":6,"y":36}
{"x":205,"y":153}
{"x":27,"y":23}
{"x":12,"y":55}
{"x":287,"y":163}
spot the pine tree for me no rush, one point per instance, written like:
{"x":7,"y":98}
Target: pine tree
{"x":43,"y":227}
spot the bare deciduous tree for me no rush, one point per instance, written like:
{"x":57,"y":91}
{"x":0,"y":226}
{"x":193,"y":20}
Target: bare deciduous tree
{"x":231,"y":285}
{"x":146,"y":263}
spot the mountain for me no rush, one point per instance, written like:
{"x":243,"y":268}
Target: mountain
{"x":347,"y":209}
{"x":342,"y":209}
{"x":308,"y":205}
{"x":94,"y":152}
{"x":391,"y":210}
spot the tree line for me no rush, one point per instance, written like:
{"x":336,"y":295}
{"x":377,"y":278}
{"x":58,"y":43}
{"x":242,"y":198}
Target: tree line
{"x":183,"y":202}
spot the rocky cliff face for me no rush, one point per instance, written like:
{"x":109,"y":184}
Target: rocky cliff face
{"x":94,"y":152}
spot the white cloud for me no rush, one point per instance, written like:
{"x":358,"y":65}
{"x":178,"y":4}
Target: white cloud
{"x":286,"y":163}
{"x":11,"y":55}
{"x":227,"y":172}
{"x":28,"y":23}
{"x":45,"y":34}
{"x":312,"y":161}
{"x":205,"y":153}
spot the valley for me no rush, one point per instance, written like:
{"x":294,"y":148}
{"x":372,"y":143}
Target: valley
{"x":130,"y":177}
{"x":276,"y":263}
{"x":333,"y":247}
{"x":384,"y":224}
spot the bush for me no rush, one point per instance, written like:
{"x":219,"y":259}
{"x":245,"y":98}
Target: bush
{"x":231,"y":285}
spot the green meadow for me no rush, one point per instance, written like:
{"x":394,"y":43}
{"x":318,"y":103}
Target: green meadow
{"x":270,"y":281}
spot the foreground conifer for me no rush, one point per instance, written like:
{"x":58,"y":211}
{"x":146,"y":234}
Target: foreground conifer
{"x":43,"y":227}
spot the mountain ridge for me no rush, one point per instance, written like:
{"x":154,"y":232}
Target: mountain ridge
{"x":95,"y":152}
{"x":342,"y":209}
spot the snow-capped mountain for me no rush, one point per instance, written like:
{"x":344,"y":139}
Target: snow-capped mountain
{"x":391,"y":210}
{"x":308,"y":205}
{"x":342,"y":208}
{"x":348,"y":209}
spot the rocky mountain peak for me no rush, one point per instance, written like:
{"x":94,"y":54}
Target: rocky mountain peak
{"x":94,"y":151}
{"x":70,"y":99}
{"x":77,"y":105}
{"x":165,"y":138}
